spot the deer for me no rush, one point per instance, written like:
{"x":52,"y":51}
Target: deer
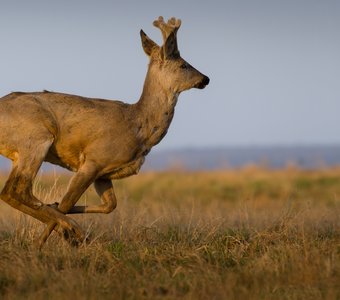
{"x":99,"y":140}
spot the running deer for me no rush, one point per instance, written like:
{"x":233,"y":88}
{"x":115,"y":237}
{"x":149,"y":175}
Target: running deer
{"x":99,"y":140}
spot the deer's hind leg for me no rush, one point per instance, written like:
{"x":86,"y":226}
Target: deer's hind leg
{"x":17,"y":191}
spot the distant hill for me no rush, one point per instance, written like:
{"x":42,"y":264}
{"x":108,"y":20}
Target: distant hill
{"x":307,"y":157}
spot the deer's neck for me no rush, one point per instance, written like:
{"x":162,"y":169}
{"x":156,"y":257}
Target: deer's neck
{"x":155,"y":111}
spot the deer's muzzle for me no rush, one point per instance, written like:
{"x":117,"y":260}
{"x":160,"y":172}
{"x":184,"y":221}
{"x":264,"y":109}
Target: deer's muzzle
{"x":203,"y":83}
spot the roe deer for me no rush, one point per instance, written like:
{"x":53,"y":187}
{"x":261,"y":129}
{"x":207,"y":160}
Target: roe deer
{"x":99,"y":140}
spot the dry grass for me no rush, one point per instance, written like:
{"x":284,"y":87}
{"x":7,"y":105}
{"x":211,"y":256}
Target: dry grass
{"x":247,"y":234}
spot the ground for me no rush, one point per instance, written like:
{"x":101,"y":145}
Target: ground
{"x":242,"y":234}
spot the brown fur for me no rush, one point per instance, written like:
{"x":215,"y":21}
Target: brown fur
{"x":99,"y":140}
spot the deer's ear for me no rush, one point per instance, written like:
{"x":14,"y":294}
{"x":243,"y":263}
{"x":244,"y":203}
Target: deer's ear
{"x":170,"y":46}
{"x":148,"y":44}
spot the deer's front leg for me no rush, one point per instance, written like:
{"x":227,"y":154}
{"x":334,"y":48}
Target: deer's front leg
{"x":78,"y":185}
{"x":104,"y":189}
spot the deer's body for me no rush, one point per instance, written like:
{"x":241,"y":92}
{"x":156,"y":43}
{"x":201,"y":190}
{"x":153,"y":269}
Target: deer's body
{"x":99,"y":140}
{"x":111,"y":133}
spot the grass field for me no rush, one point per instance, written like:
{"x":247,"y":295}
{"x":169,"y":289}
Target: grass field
{"x":245,"y":234}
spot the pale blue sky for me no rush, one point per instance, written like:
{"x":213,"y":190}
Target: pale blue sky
{"x":274,"y":65}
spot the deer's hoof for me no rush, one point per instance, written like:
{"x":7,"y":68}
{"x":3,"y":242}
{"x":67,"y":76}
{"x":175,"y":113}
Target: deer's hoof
{"x":54,"y":205}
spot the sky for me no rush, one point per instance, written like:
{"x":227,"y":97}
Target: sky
{"x":274,"y":66}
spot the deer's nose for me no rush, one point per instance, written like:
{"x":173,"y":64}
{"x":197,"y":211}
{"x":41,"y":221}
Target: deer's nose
{"x":205,"y":80}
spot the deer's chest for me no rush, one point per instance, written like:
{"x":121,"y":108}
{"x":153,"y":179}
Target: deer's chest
{"x":151,"y":130}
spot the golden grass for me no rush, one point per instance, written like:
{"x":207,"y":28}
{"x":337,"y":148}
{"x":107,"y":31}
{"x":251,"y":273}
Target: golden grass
{"x":246,"y":234}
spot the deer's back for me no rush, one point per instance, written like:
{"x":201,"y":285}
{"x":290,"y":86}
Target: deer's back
{"x":80,"y":126}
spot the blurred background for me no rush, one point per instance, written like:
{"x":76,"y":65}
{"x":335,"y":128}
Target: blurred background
{"x":274,"y":94}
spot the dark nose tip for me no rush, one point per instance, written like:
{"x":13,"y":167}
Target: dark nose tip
{"x":206,"y":80}
{"x":202,"y":84}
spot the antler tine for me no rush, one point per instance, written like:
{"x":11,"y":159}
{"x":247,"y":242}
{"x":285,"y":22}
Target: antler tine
{"x":175,"y":23}
{"x":172,"y":25}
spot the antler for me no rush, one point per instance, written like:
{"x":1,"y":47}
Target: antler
{"x":167,"y":28}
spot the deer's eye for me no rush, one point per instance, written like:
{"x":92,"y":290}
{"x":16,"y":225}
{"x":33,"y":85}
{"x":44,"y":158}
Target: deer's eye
{"x":184,"y":66}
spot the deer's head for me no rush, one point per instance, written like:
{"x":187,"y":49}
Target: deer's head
{"x":166,"y":64}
